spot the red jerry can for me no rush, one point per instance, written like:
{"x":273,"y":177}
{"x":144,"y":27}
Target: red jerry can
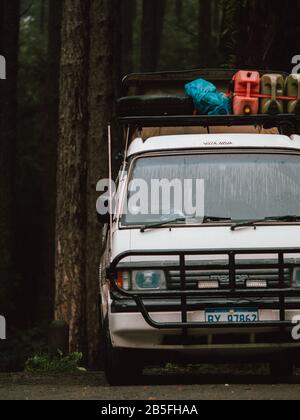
{"x":246,"y":83}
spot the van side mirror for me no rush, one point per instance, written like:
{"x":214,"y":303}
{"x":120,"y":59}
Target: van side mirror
{"x":103,"y":219}
{"x":103,"y":215}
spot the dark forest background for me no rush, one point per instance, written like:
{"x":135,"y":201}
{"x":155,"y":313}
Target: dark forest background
{"x":65,"y":63}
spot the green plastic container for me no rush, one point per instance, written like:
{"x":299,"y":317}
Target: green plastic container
{"x":272,"y":85}
{"x":293,"y":89}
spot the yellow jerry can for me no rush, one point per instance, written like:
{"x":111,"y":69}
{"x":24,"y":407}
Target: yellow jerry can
{"x":273,"y":86}
{"x":293,"y":89}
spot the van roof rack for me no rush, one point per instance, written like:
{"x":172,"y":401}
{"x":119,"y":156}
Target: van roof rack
{"x":163,"y":93}
{"x":284,"y":121}
{"x":143,"y":83}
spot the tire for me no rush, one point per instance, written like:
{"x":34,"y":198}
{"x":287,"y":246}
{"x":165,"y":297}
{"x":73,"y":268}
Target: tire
{"x":139,"y":106}
{"x":282,"y":368}
{"x":119,"y":366}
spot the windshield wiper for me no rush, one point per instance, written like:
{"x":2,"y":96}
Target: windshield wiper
{"x":208,"y":219}
{"x":288,"y":218}
{"x":163,"y":223}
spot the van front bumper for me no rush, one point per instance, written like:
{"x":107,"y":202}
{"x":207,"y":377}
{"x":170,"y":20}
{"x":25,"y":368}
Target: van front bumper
{"x":130,"y":330}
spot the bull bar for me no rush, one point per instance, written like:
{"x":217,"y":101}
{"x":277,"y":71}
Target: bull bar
{"x":280,"y":292}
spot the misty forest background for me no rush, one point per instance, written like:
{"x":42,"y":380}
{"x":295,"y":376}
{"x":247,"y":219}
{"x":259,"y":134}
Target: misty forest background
{"x":65,"y":63}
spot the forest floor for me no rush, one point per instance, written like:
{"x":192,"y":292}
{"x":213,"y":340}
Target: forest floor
{"x":220,"y":384}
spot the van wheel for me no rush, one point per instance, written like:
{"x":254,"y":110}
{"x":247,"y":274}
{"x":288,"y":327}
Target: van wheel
{"x":119,"y":366}
{"x":282,"y":368}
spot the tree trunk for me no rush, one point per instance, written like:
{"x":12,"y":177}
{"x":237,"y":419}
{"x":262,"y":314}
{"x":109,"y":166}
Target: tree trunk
{"x":265,"y":38}
{"x":230,"y":31}
{"x":128,"y":16}
{"x":205,"y":33}
{"x":43,"y":15}
{"x":86,"y":89}
{"x":72,"y":171}
{"x":101,"y":99}
{"x":46,"y":293}
{"x":152,"y":31}
{"x":116,"y":45}
{"x":257,"y":34}
{"x":178,"y":9}
{"x":9,"y":40}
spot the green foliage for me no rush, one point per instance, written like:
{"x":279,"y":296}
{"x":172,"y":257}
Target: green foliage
{"x":29,"y":164}
{"x":182,"y":53}
{"x":230,"y":30}
{"x":45,"y":364}
{"x":27,"y":350}
{"x":31,"y":94}
{"x":20,"y":346}
{"x":32,"y":58}
{"x":180,"y":40}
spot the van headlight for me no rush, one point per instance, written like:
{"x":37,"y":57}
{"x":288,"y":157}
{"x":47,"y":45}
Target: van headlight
{"x":149,"y":280}
{"x":296,"y":277}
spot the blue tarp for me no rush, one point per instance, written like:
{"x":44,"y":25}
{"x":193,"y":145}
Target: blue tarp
{"x":207,"y":99}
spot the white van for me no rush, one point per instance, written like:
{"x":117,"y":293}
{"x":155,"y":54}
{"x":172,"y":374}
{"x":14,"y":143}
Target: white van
{"x":217,"y":287}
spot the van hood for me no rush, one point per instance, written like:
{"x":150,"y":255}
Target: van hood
{"x":207,"y":238}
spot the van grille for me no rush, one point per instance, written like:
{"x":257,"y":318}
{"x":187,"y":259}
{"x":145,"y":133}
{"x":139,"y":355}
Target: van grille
{"x":193,"y":277}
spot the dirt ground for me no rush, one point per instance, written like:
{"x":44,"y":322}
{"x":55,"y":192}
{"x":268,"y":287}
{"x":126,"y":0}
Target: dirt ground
{"x":245,"y":384}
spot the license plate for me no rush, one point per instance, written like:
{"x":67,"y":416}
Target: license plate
{"x":236,"y":316}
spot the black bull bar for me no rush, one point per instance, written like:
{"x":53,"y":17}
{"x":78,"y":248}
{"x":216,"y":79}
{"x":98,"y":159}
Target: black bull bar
{"x":280,"y":292}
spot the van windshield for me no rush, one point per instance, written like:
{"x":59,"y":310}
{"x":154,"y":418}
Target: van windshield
{"x":219,"y":188}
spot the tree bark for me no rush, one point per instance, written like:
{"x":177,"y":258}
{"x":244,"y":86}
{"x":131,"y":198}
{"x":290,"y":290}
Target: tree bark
{"x":115,"y":18}
{"x":87,"y":95}
{"x":128,"y":15}
{"x":46,"y":292}
{"x":178,"y":9}
{"x":9,"y":40}
{"x":43,"y":7}
{"x":101,"y":99}
{"x":72,"y":171}
{"x":205,"y":32}
{"x":268,"y":38}
{"x":230,"y":31}
{"x":257,"y":34}
{"x":152,"y":31}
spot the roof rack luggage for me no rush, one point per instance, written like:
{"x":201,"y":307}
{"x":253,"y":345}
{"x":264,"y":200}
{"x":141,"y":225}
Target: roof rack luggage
{"x":159,"y":100}
{"x":172,"y":82}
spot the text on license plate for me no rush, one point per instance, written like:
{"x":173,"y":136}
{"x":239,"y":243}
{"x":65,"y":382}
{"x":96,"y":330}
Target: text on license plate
{"x":237,"y":315}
